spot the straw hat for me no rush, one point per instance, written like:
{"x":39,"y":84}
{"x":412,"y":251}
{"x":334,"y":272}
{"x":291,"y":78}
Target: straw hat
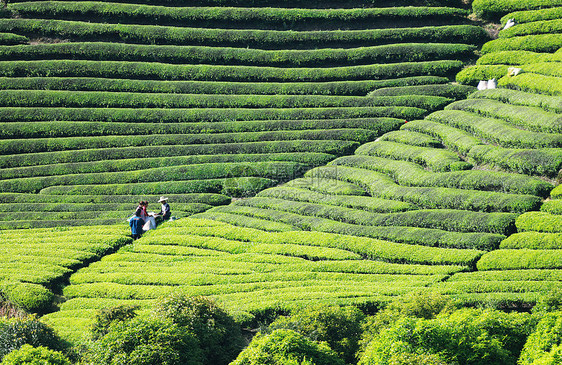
{"x":162,"y":199}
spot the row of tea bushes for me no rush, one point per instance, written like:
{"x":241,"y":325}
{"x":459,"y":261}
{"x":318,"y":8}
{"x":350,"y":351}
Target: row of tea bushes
{"x":241,"y":38}
{"x":245,"y":18}
{"x":36,"y":262}
{"x":228,"y":262}
{"x":355,"y":88}
{"x":323,"y":57}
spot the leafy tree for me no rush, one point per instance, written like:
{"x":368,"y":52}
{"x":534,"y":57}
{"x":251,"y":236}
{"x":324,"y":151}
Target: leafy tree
{"x":284,"y":347}
{"x":466,"y":336}
{"x":29,"y":355}
{"x":146,"y":341}
{"x":220,"y":337}
{"x":337,"y":326}
{"x":19,"y":331}
{"x":544,"y":346}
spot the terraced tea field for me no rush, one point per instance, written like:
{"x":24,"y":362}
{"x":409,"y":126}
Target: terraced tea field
{"x":118,"y":102}
{"x":321,"y":152}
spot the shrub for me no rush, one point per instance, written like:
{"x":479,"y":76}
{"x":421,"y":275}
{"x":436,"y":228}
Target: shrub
{"x":435,"y":159}
{"x":496,"y":130}
{"x":411,"y":174}
{"x":219,"y":336}
{"x":383,"y":186}
{"x":16,"y":332}
{"x":151,"y":34}
{"x":516,"y":58}
{"x":539,"y":221}
{"x":105,"y":51}
{"x":9,"y":39}
{"x":105,"y":317}
{"x":550,"y":85}
{"x":92,"y":99}
{"x":358,"y":88}
{"x":543,"y":346}
{"x":548,"y":43}
{"x":533,"y":240}
{"x":546,"y":102}
{"x":527,"y":16}
{"x":286,"y":347}
{"x":146,"y":341}
{"x":544,"y":161}
{"x":269,"y":18}
{"x":473,"y":74}
{"x":456,"y":220}
{"x":549,"y":302}
{"x":454,"y":138}
{"x":417,"y":304}
{"x":466,"y":336}
{"x":537,"y":27}
{"x":28,"y":354}
{"x":494,"y":9}
{"x":339,"y":327}
{"x":510,"y":259}
{"x":30,"y":297}
{"x":532,"y":118}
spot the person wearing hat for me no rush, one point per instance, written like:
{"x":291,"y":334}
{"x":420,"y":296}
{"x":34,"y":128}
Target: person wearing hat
{"x":165,"y":210}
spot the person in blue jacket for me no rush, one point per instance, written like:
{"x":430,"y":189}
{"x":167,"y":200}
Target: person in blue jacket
{"x":136,"y":223}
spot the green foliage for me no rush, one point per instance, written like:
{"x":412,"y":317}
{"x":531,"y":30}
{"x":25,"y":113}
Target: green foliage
{"x":466,"y":336}
{"x":357,"y":88}
{"x":90,"y":99}
{"x":106,"y":317}
{"x":412,"y":174}
{"x":453,"y":138}
{"x":147,"y":70}
{"x":539,"y":221}
{"x":535,"y":43}
{"x":339,"y":327}
{"x":527,"y":16}
{"x":544,"y":161}
{"x":337,"y":147}
{"x":10,"y":39}
{"x":549,"y":85}
{"x":445,"y":90}
{"x":416,"y":304}
{"x":536,"y":27}
{"x":496,"y":130}
{"x":531,"y":118}
{"x":473,"y":74}
{"x":146,"y":340}
{"x":516,"y":58}
{"x":284,"y":346}
{"x":533,"y":240}
{"x":509,"y":259}
{"x":220,"y":338}
{"x":494,"y":9}
{"x":30,"y":297}
{"x":435,"y":159}
{"x":382,"y":186}
{"x":210,"y":171}
{"x":28,"y":354}
{"x":546,"y":102}
{"x":260,"y":18}
{"x":16,"y":332}
{"x":153,"y":34}
{"x":549,"y":302}
{"x":17,"y":130}
{"x":544,"y":345}
{"x":303,"y":194}
{"x":106,"y":51}
{"x":451,"y":220}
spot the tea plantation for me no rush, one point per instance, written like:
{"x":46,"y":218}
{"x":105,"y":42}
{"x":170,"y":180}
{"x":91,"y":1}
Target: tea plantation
{"x":333,"y":153}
